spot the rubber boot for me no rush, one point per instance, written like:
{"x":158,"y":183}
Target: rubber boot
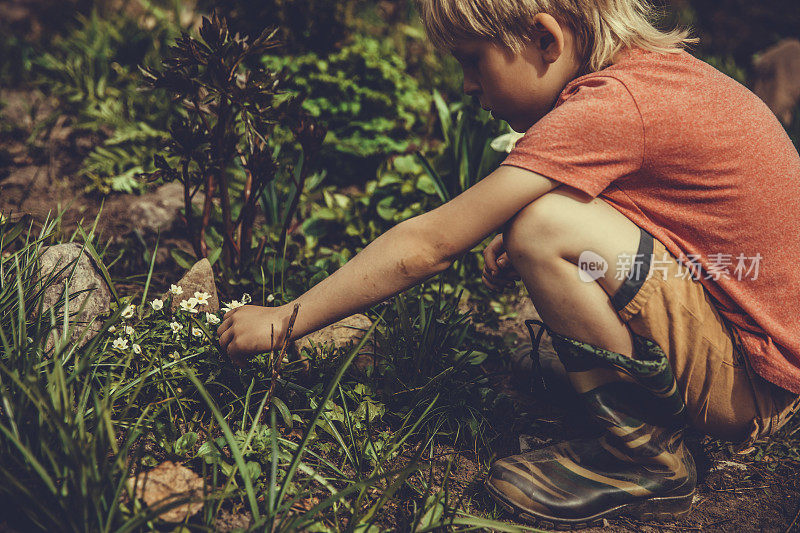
{"x":638,"y":466}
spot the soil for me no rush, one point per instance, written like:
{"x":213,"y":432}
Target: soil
{"x":736,"y":492}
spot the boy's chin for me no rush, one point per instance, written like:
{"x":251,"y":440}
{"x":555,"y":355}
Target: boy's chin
{"x":519,"y":127}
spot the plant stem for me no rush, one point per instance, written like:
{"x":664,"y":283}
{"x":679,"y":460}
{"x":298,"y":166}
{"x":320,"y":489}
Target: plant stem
{"x":301,"y":183}
{"x":276,"y":363}
{"x":229,"y":248}
{"x":206,"y":221}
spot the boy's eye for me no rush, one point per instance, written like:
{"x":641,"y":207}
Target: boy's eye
{"x":468,"y":61}
{"x":465,"y":59}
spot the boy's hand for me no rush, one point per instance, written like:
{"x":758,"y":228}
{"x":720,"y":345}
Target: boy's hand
{"x":247,"y":330}
{"x":498,"y":272}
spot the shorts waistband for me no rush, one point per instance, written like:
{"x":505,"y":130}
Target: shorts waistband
{"x":638,"y":273}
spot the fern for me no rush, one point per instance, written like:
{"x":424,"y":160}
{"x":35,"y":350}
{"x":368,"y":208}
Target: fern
{"x":93,"y":71}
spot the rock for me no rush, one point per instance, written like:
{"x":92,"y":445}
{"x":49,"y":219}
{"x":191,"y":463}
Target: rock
{"x":166,"y":483}
{"x":227,"y":521}
{"x":149,"y":214}
{"x":200,"y":278}
{"x":348,"y":331}
{"x":94,"y":297}
{"x":776,"y":78}
{"x":530,"y":442}
{"x":158,"y":210}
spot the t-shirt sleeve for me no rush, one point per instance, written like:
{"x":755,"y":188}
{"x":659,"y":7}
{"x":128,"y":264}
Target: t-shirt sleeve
{"x":593,"y":137}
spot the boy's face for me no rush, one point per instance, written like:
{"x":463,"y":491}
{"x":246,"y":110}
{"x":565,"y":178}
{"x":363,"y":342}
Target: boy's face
{"x":519,"y":88}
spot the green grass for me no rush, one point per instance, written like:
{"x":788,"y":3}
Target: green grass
{"x":335,"y":454}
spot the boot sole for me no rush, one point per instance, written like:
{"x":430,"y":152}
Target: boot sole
{"x":661,"y":508}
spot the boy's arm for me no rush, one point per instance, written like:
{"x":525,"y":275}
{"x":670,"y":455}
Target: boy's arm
{"x":404,"y":256}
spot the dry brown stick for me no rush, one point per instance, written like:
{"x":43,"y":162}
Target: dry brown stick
{"x":796,"y":516}
{"x":734,"y":489}
{"x":276,"y":364}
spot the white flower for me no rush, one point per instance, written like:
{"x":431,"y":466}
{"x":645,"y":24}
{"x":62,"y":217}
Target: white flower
{"x":176,"y":289}
{"x":136,"y":349}
{"x":506,"y":142}
{"x":246,"y":299}
{"x":129,"y":331}
{"x":175,"y":355}
{"x":189,"y":305}
{"x":157,"y":304}
{"x":212,"y":318}
{"x":202,"y":297}
{"x":197,"y":332}
{"x":176,"y":327}
{"x":231,"y":306}
{"x":112,"y":329}
{"x":270,"y":298}
{"x":120,"y":343}
{"x":128,"y":312}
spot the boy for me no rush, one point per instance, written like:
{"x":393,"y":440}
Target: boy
{"x":633,"y":149}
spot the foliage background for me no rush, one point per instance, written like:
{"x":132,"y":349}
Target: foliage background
{"x":310,"y":444}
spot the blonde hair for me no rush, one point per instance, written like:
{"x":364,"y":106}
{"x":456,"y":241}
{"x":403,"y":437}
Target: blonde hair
{"x":601,"y":27}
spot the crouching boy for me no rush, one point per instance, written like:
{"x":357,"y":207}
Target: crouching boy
{"x":650,"y":209}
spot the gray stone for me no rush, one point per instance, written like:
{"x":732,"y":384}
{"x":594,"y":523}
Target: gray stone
{"x":93,"y":294}
{"x":530,"y":442}
{"x":151,"y":212}
{"x":347,"y":331}
{"x":200,"y":278}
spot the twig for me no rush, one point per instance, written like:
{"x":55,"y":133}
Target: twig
{"x":704,"y":527}
{"x":742,"y":488}
{"x":276,"y":364}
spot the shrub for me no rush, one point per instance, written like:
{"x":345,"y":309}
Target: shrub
{"x":372,"y":108}
{"x":92,"y":70}
{"x":315,"y":26}
{"x":222,"y":145}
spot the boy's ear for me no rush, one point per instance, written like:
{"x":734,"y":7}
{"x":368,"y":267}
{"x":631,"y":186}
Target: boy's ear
{"x":548,"y":37}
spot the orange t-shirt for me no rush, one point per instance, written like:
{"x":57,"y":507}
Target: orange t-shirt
{"x":702,"y":164}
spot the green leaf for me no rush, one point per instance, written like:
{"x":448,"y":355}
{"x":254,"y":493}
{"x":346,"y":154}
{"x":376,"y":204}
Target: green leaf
{"x":213,"y":256}
{"x":209,"y":452}
{"x":444,"y":115}
{"x":284,"y":411}
{"x":477,"y":358}
{"x":385,"y":209}
{"x":185,"y":443}
{"x":183,"y":259}
{"x":426,"y":184}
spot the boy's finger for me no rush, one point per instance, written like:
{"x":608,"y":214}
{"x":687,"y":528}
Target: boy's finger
{"x":491,"y":284}
{"x":502,"y":261}
{"x":225,"y":339}
{"x":492,"y":252}
{"x":489,"y":260}
{"x":497,"y":280}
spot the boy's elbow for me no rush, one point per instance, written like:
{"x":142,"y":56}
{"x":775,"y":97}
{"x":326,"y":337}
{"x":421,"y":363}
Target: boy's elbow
{"x":423,"y":258}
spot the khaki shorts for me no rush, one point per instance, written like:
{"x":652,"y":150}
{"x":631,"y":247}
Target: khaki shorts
{"x":724,"y":396}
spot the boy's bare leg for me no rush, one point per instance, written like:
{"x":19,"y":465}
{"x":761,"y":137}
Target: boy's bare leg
{"x":639,"y":465}
{"x":544,"y":242}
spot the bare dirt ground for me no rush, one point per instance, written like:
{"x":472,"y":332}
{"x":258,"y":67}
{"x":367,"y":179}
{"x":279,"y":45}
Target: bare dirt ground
{"x":755,"y":491}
